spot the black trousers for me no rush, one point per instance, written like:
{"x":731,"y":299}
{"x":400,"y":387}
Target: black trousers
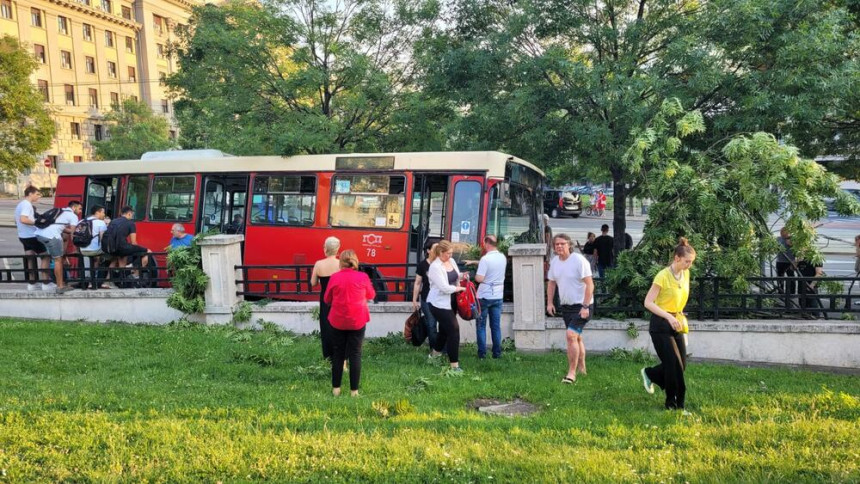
{"x":786,"y":269}
{"x":669,"y":374}
{"x":346,"y":343}
{"x":448,"y":336}
{"x":325,"y":331}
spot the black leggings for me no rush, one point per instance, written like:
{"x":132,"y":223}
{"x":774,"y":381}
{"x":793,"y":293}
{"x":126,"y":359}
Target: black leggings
{"x":669,"y":374}
{"x":346,"y":342}
{"x":449,"y":332}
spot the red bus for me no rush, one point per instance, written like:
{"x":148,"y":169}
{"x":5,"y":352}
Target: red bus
{"x":384,"y":206}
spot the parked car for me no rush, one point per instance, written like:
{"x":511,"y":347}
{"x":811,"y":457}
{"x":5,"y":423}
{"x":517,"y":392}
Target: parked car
{"x":561,"y":202}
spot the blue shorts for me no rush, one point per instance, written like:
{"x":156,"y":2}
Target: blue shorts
{"x":572,"y":319}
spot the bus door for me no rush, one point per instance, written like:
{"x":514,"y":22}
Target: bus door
{"x":465,"y":226}
{"x":223,"y":204}
{"x":429,"y":213}
{"x":103,"y":191}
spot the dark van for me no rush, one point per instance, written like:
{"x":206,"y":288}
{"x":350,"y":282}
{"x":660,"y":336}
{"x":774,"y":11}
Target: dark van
{"x":561,"y":202}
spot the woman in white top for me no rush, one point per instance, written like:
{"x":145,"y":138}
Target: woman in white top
{"x":323,"y":269}
{"x":444,"y":283}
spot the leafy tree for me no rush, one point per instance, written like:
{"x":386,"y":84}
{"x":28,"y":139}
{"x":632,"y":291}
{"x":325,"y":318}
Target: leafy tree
{"x":722,"y":199}
{"x":26,"y":128}
{"x":568,"y":82}
{"x":134,"y":129}
{"x":303,"y":76}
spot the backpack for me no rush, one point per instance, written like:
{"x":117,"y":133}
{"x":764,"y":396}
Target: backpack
{"x":468,"y":306}
{"x":45,"y":220}
{"x":415,"y":330}
{"x":83,"y":234}
{"x":109,"y":242}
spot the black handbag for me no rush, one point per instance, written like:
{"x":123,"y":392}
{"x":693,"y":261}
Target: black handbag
{"x":415,"y":329}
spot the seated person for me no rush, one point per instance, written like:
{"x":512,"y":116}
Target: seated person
{"x":179,"y":237}
{"x":234,"y":227}
{"x":120,"y":239}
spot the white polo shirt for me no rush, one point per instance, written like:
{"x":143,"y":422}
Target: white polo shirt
{"x":25,"y":208}
{"x":568,"y":276}
{"x":492,"y":267}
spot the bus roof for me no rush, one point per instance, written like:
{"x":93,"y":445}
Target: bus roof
{"x":446,"y":161}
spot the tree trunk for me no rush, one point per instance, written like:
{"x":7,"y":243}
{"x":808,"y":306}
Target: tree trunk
{"x":619,"y":215}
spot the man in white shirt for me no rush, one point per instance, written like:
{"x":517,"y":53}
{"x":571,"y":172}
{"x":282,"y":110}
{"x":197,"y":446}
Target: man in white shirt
{"x":52,"y":238}
{"x":491,"y":276}
{"x":25,"y":218}
{"x":571,"y":274}
{"x":97,"y":219}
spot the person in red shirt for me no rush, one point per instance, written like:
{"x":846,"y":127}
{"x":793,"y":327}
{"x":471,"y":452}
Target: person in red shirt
{"x":348,"y":292}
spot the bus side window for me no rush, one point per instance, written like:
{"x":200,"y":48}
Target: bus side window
{"x":467,"y":208}
{"x":136,"y":195}
{"x":171,"y":198}
{"x":284,"y":200}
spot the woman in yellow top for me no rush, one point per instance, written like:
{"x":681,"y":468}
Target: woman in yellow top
{"x":666,"y":300}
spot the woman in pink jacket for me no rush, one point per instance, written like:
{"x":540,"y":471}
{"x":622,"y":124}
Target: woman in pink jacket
{"x":348,"y":292}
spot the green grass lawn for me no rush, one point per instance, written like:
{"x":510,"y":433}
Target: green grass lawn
{"x":118,"y":403}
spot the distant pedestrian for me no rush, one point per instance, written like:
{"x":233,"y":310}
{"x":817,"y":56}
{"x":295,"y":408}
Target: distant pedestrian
{"x":178,"y":237}
{"x":52,"y":238}
{"x":666,"y":300}
{"x":785,"y":262}
{"x":808,"y":288}
{"x":321,"y":274}
{"x":420,"y":292}
{"x":25,"y":219}
{"x":588,"y":251}
{"x":491,"y":277}
{"x":571,"y":274}
{"x":444,"y":283}
{"x":348,"y":292}
{"x":605,"y":250}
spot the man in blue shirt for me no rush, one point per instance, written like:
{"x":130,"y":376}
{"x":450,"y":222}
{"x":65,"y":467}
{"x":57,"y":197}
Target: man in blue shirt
{"x":180,"y":238}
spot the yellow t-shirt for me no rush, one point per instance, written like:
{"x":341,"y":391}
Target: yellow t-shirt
{"x":673,"y":293}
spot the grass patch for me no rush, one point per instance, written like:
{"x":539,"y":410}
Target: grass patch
{"x":190,"y":403}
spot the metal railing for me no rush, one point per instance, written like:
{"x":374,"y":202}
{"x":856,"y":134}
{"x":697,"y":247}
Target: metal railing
{"x":294,"y":281}
{"x":93,"y":273}
{"x":710,"y":297}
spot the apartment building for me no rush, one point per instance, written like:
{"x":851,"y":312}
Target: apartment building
{"x":92,"y":54}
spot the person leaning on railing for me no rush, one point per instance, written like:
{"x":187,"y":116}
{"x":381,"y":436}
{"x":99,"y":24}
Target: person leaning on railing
{"x":666,"y":300}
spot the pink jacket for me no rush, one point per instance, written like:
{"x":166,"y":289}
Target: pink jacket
{"x":347,"y":293}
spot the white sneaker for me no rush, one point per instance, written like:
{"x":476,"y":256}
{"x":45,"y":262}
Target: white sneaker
{"x":49,"y":287}
{"x":649,"y":386}
{"x":34,"y":287}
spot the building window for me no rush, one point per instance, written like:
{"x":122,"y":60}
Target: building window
{"x":35,"y":17}
{"x":54,"y":160}
{"x":75,"y":128}
{"x":131,"y":75}
{"x":88,"y":32}
{"x":114,"y":100}
{"x":70,"y":94}
{"x":63,"y":25}
{"x":97,"y":132}
{"x":78,"y":159}
{"x":66,"y":59}
{"x":158,"y":24}
{"x":133,"y":98}
{"x":85,"y":2}
{"x":43,"y":88}
{"x":39,"y":52}
{"x":107,"y":6}
{"x":129,"y":44}
{"x":165,"y":106}
{"x":94,"y":98}
{"x":172,"y":134}
{"x":108,"y":38}
{"x":159,"y":49}
{"x":6,"y":9}
{"x":111,"y":69}
{"x":91,"y":65}
{"x":126,"y":12}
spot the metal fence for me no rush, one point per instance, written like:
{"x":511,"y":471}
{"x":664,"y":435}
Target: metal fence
{"x":81,"y":272}
{"x":711,"y":298}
